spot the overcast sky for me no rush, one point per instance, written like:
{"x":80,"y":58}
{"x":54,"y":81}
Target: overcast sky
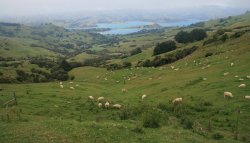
{"x":34,"y":7}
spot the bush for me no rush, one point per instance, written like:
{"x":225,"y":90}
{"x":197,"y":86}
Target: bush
{"x":186,"y":122}
{"x":217,"y":136}
{"x":151,"y":119}
{"x":194,"y":35}
{"x":208,"y":54}
{"x":164,"y":47}
{"x":135,"y":51}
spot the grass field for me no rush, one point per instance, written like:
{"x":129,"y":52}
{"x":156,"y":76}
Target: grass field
{"x":45,"y":112}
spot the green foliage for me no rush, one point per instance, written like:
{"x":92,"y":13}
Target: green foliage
{"x":194,"y":35}
{"x":151,"y":119}
{"x":164,"y":47}
{"x":135,"y":51}
{"x":217,"y":136}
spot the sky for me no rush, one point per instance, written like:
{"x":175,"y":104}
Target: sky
{"x":39,"y":7}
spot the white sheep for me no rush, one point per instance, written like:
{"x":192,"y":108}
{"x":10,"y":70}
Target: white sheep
{"x":61,"y":85}
{"x":177,"y":101}
{"x":77,"y":84}
{"x":105,"y":78}
{"x":228,"y":94}
{"x":247,"y":97}
{"x":97,"y":77}
{"x":172,"y":67}
{"x":72,"y":88}
{"x":241,"y":79}
{"x":248,"y":76}
{"x":99,"y":99}
{"x":91,"y":98}
{"x":143,"y":96}
{"x":71,"y":82}
{"x":236,"y":76}
{"x":107,"y":105}
{"x":176,"y":69}
{"x":204,"y":78}
{"x":124,"y":90}
{"x":117,"y":106}
{"x":232,"y":64}
{"x":100,"y":105}
{"x":242,"y":85}
{"x":226,"y":73}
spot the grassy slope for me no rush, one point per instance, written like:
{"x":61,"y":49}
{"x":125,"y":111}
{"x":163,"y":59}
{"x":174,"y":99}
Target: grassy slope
{"x":52,"y":114}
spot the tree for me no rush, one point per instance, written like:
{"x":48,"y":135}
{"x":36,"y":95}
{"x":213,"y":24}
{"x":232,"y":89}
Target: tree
{"x":198,"y":34}
{"x":65,"y":65}
{"x":183,"y":37}
{"x":164,"y":47}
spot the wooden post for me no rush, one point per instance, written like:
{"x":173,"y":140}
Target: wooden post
{"x":14,"y":96}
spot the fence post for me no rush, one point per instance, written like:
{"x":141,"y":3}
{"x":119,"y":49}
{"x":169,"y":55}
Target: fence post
{"x":14,"y":96}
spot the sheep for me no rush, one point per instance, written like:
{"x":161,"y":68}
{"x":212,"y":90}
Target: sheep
{"x":124,"y":90}
{"x":242,"y":85}
{"x":107,"y":105}
{"x":77,"y":84}
{"x":105,"y":78}
{"x":91,"y":98}
{"x":99,"y":99}
{"x":247,"y":97}
{"x":100,"y":105}
{"x":117,"y":106}
{"x":143,"y":96}
{"x":228,"y":95}
{"x":72,"y":88}
{"x":208,"y":66}
{"x":241,"y":79}
{"x":236,"y":76}
{"x":232,"y":64}
{"x":71,"y":82}
{"x":177,"y":101}
{"x":150,"y":78}
{"x":204,"y":78}
{"x":248,"y":76}
{"x":160,"y":78}
{"x":226,"y":73}
{"x":176,"y":69}
{"x":172,"y":67}
{"x":61,"y":85}
{"x":97,"y":77}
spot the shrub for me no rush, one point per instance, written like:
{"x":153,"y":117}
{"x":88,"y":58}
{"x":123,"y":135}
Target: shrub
{"x":186,"y":122}
{"x":217,"y":136}
{"x":164,"y":47}
{"x":151,"y":119}
{"x":208,"y":54}
{"x":194,"y":35}
{"x":135,"y":51}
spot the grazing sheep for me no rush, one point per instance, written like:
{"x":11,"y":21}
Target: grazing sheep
{"x":143,"y":96}
{"x":150,"y":78}
{"x":117,"y":106}
{"x":228,"y":95}
{"x":176,"y":69}
{"x":129,"y":79}
{"x":72,"y":88}
{"x":160,"y":78}
{"x":236,"y":76}
{"x":232,"y":64}
{"x":100,"y":105}
{"x":117,"y":81}
{"x":71,"y":82}
{"x":204,"y":78}
{"x":97,"y":77}
{"x":61,"y":86}
{"x":105,"y":78}
{"x":247,"y":97}
{"x":172,"y":67}
{"x":107,"y":105}
{"x":61,"y":83}
{"x":177,"y":101}
{"x":242,"y":85}
{"x":203,"y":68}
{"x":241,"y":79}
{"x":226,"y":73}
{"x":248,"y":76}
{"x":124,"y":90}
{"x":77,"y":84}
{"x":99,"y":99}
{"x":208,"y":66}
{"x":91,"y":98}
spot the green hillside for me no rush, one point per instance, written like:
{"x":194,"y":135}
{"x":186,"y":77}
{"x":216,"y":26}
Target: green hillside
{"x":46,"y":112}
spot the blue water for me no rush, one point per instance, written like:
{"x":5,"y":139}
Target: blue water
{"x":125,"y":28}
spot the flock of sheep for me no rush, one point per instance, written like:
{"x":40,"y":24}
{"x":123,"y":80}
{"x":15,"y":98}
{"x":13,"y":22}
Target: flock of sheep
{"x":176,"y":101}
